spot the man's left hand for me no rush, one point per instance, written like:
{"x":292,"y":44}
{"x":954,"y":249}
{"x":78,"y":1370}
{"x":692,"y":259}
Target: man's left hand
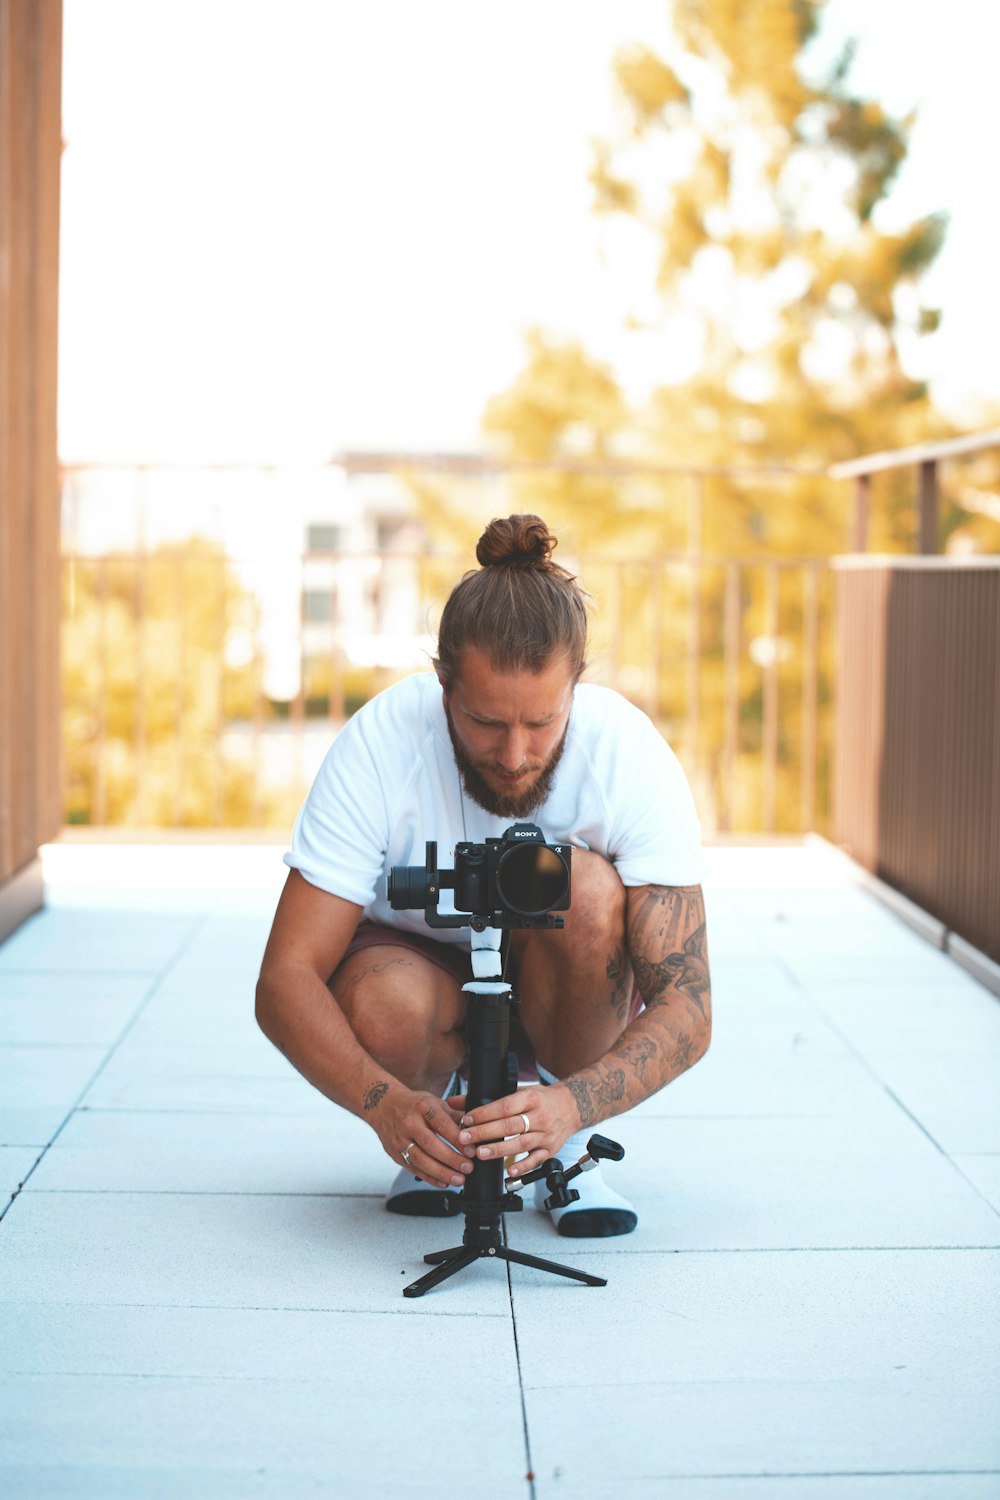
{"x":536,"y":1120}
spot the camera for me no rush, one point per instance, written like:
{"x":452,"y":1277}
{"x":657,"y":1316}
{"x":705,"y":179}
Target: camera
{"x":517,"y":880}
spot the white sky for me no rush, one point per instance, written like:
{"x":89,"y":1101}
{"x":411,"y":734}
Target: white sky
{"x":290,"y":228}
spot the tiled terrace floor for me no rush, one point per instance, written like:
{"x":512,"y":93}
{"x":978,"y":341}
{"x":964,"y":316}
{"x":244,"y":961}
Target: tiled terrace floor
{"x":200,"y":1292}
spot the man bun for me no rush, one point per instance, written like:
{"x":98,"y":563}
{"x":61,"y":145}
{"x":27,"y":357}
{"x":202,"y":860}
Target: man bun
{"x":515,"y":541}
{"x":519,"y":608}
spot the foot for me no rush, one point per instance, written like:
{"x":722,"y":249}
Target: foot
{"x":409,"y":1195}
{"x":600,"y":1211}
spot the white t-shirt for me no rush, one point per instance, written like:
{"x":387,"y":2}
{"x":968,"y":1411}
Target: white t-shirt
{"x":389,"y":783}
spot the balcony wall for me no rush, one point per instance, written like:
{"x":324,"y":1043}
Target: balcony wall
{"x":917,"y":773}
{"x":30,"y":145}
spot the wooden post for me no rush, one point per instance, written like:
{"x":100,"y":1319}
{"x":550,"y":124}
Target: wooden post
{"x":862,"y":513}
{"x":30,"y":150}
{"x":927,"y":540}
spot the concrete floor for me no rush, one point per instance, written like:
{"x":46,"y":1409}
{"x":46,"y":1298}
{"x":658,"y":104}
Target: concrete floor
{"x":200,"y":1293}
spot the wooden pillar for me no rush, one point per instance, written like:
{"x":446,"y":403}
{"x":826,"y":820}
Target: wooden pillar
{"x":862,"y":513}
{"x":30,"y":151}
{"x":927,"y":543}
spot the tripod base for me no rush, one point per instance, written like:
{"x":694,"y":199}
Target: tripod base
{"x":449,"y":1262}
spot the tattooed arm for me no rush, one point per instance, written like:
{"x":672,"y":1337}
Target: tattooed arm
{"x":295,"y":1009}
{"x":665,"y":936}
{"x":665,"y":930}
{"x":309,"y":937}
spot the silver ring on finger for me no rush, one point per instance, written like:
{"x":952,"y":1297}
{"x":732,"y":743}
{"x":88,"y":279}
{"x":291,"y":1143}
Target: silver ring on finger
{"x":405,"y":1154}
{"x":527,"y":1124}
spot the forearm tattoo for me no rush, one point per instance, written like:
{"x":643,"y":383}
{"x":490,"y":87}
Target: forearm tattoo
{"x":668,"y":954}
{"x":596,"y":1100}
{"x":375,"y":1095}
{"x":667,"y":938}
{"x":619,"y":974}
{"x":686,"y":971}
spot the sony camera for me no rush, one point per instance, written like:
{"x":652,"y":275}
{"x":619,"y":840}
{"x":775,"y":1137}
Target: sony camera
{"x":517,"y":880}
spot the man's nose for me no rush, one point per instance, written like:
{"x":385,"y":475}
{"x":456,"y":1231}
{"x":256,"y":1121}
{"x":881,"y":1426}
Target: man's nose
{"x":514,"y":750}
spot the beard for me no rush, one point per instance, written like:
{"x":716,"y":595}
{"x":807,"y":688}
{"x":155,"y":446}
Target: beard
{"x":520,"y":801}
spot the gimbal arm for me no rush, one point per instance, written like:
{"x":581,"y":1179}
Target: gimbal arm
{"x":557,"y":1177}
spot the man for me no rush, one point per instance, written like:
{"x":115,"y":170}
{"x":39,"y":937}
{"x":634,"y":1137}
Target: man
{"x":367,"y":1003}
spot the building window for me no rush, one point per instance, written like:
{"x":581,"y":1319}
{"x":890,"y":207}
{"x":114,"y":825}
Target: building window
{"x":318,"y":604}
{"x":323,"y":538}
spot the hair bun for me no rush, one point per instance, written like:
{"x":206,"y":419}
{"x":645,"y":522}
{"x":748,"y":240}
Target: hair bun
{"x":516,"y":541}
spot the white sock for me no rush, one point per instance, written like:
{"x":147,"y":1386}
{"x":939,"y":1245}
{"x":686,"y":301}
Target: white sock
{"x":600,"y":1212}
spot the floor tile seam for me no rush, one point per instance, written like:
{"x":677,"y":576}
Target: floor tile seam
{"x":396,"y":1310}
{"x":860,"y":1057}
{"x":83,"y":970}
{"x":529,"y":1467}
{"x":496,"y":1387}
{"x":979,"y":1191}
{"x":41,"y":1150}
{"x":157,"y":979}
{"x":139,"y":1109}
{"x":70,"y":1192}
{"x":49,"y":1046}
{"x":687,"y":1382}
{"x":713,"y":1474}
{"x":795,"y":1250}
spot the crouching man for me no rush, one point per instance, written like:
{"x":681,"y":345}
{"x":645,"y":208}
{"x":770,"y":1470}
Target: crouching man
{"x":367,"y":1002}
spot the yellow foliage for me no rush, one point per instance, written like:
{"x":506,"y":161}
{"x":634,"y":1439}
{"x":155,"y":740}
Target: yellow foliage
{"x":147,"y":690}
{"x":764,"y":231}
{"x":648,"y":83}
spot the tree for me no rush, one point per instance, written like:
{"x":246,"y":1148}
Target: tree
{"x":758,"y":191}
{"x":148,"y":689}
{"x":756,"y":187}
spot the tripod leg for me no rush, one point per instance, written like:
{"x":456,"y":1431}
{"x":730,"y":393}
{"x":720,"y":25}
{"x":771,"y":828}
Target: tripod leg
{"x":439,"y":1257}
{"x":458,"y":1261}
{"x":519,"y":1258}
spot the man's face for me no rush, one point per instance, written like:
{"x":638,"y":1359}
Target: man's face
{"x":508,"y":731}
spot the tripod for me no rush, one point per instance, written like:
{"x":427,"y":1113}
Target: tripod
{"x":492,"y":1074}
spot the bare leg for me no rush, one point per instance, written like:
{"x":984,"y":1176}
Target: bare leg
{"x":575,"y":985}
{"x":405,"y":1011}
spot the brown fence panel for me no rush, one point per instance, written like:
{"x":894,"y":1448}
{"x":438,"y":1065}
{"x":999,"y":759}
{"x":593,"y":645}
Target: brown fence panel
{"x":917,"y":790}
{"x":30,"y":146}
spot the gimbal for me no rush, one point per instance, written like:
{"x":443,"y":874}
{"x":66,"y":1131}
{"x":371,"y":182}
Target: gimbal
{"x":522,"y":896}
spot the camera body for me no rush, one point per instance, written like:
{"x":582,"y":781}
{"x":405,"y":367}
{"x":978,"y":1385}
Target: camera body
{"x":517,"y":880}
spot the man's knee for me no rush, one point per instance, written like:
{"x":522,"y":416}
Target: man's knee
{"x":398,"y":1004}
{"x":598,"y":902}
{"x":591,"y":946}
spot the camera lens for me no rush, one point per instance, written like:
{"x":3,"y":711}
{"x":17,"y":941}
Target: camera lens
{"x":532,"y":879}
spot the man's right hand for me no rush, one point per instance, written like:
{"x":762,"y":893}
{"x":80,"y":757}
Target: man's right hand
{"x":414,"y":1121}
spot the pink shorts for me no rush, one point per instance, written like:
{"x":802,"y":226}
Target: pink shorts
{"x":448,"y":956}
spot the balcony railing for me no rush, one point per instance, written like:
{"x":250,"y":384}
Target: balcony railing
{"x":204,"y":678}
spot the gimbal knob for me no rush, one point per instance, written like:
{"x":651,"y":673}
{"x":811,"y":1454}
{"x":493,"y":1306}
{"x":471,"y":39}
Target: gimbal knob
{"x":600,"y":1148}
{"x":560,"y":1196}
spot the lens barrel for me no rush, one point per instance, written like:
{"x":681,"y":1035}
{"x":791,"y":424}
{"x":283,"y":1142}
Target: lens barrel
{"x":407,"y":887}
